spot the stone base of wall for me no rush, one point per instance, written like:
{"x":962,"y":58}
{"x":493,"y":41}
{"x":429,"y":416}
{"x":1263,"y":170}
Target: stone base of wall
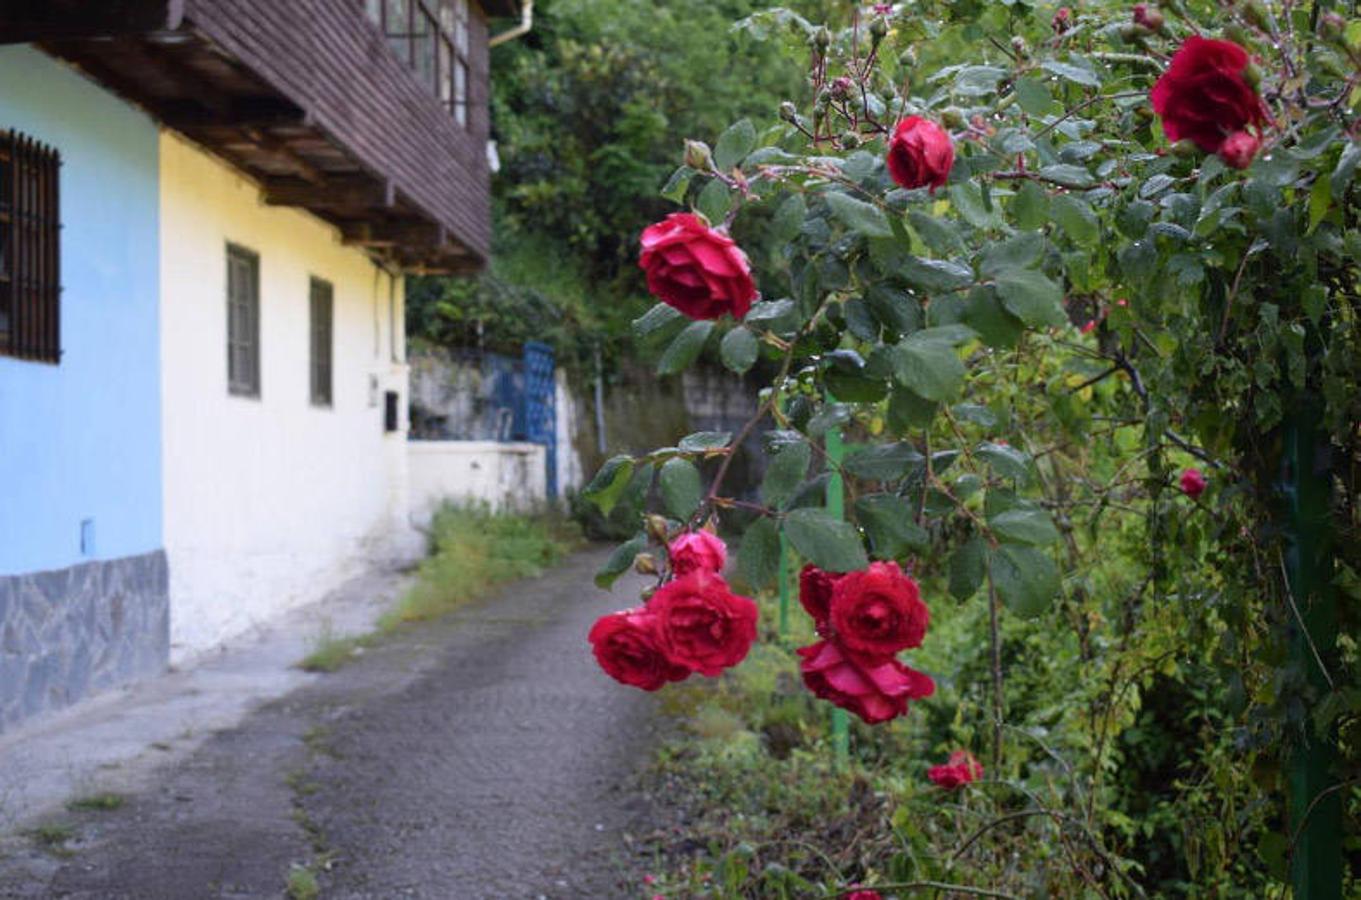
{"x":71,"y":633}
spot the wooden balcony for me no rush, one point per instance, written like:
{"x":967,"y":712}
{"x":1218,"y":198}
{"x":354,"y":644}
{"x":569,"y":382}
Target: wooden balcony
{"x":305,"y":97}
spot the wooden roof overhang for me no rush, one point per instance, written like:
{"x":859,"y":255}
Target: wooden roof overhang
{"x":304,"y":97}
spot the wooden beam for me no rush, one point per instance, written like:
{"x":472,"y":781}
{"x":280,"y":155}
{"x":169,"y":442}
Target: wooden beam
{"x":392,"y":234}
{"x":279,"y":147}
{"x":361,"y":192}
{"x":252,"y":112}
{"x":29,"y":21}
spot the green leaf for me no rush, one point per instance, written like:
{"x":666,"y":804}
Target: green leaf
{"x":655,"y":319}
{"x":714,"y":201}
{"x":1021,"y":251}
{"x":984,"y":313}
{"x":788,"y":219}
{"x":677,"y":184}
{"x":1005,"y":461}
{"x":609,"y":483}
{"x":704,"y":441}
{"x":1030,"y":296}
{"x":758,"y":559}
{"x":887,"y":520}
{"x":832,"y":415}
{"x":785,"y":473}
{"x":1034,"y":97}
{"x":1026,"y":579}
{"x":685,"y":348}
{"x":830,"y":544}
{"x":938,"y":233}
{"x":978,"y":81}
{"x":1030,"y":206}
{"x":968,"y":568}
{"x":1024,"y":526}
{"x":967,"y":197}
{"x":1078,"y":219}
{"x":739,"y":350}
{"x":1078,"y":74}
{"x":859,"y":216}
{"x":1067,"y":175}
{"x":1320,"y":201}
{"x":884,"y":462}
{"x":930,"y":369}
{"x":680,"y":487}
{"x":620,"y":561}
{"x":1346,"y":168}
{"x":897,"y":311}
{"x":734,"y":145}
{"x":935,"y":275}
{"x":907,"y":411}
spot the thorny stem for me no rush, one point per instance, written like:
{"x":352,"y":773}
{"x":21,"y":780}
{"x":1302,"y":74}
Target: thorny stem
{"x":995,"y":642}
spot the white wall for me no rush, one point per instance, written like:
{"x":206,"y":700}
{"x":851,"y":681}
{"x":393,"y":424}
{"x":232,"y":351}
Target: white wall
{"x":270,"y":502}
{"x":504,"y":475}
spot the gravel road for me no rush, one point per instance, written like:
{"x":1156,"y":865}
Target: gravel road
{"x":484,"y":756}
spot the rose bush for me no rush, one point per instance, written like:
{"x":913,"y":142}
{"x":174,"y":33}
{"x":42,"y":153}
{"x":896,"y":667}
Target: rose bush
{"x":1141,"y":255}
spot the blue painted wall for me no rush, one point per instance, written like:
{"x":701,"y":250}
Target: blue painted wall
{"x":82,"y":440}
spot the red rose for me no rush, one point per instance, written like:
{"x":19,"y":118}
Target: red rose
{"x":878,"y":611}
{"x":815,"y":593}
{"x":920,"y":154}
{"x":628,"y":646}
{"x":696,"y":550}
{"x":1062,"y":20}
{"x":1193,"y":483}
{"x":1239,"y":149}
{"x":696,"y":269}
{"x":874,"y":690}
{"x":864,"y":895}
{"x":1204,"y":96}
{"x":704,"y":625}
{"x":959,"y":771}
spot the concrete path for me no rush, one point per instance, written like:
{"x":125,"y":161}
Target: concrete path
{"x":482,"y":756}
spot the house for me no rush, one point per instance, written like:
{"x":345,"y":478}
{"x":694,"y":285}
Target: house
{"x":206,"y":210}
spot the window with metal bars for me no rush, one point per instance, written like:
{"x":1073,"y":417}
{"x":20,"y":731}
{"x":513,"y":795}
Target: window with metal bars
{"x":30,"y":249}
{"x":322,"y":319}
{"x":243,"y":322}
{"x":430,"y":36}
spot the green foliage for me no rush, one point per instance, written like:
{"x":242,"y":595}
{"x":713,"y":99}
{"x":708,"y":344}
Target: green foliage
{"x":474,"y":549}
{"x":1028,"y":358}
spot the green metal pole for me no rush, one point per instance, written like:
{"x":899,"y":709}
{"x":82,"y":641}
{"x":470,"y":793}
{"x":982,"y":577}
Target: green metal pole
{"x":784,"y":585}
{"x":836,"y":506}
{"x":1315,"y":816}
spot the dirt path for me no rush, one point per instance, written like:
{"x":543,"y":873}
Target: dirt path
{"x":483,"y":756}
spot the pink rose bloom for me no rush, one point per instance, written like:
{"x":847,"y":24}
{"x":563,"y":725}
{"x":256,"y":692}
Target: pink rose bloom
{"x":1239,"y":149}
{"x":1193,"y":483}
{"x":695,"y":550}
{"x":959,"y":771}
{"x":696,"y":269}
{"x":875,"y":690}
{"x":920,"y":154}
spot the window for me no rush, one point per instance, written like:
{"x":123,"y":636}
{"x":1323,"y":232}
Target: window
{"x":322,"y":319}
{"x":30,"y":249}
{"x":243,"y":322}
{"x":430,"y":36}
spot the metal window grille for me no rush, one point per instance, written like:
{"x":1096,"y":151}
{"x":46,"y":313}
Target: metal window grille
{"x":30,"y":249}
{"x":243,"y":322}
{"x":322,"y":317}
{"x":432,"y":37}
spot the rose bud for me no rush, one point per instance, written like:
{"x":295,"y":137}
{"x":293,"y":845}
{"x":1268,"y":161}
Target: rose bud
{"x":645,"y":564}
{"x":1062,"y":21}
{"x":1205,"y":95}
{"x":696,"y":269}
{"x":788,"y":111}
{"x":822,"y":39}
{"x":696,"y":550}
{"x":878,"y":31}
{"x":962,"y":769}
{"x":841,"y":87}
{"x":1332,"y":27}
{"x":698,"y":156}
{"x":850,"y":140}
{"x":1239,"y":149}
{"x":657,"y":527}
{"x":1193,"y":483}
{"x":1149,"y":16}
{"x":864,"y":895}
{"x":920,"y":154}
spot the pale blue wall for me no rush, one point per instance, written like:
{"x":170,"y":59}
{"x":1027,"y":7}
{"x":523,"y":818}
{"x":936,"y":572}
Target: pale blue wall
{"x":82,"y":440}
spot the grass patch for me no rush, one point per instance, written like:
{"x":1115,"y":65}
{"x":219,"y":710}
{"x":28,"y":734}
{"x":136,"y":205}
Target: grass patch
{"x":474,"y":549}
{"x":53,"y":837}
{"x":101,"y":802}
{"x":302,"y":884}
{"x":331,"y":651}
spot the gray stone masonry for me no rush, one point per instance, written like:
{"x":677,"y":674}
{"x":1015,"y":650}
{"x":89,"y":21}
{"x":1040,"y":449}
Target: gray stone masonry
{"x":71,"y":633}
